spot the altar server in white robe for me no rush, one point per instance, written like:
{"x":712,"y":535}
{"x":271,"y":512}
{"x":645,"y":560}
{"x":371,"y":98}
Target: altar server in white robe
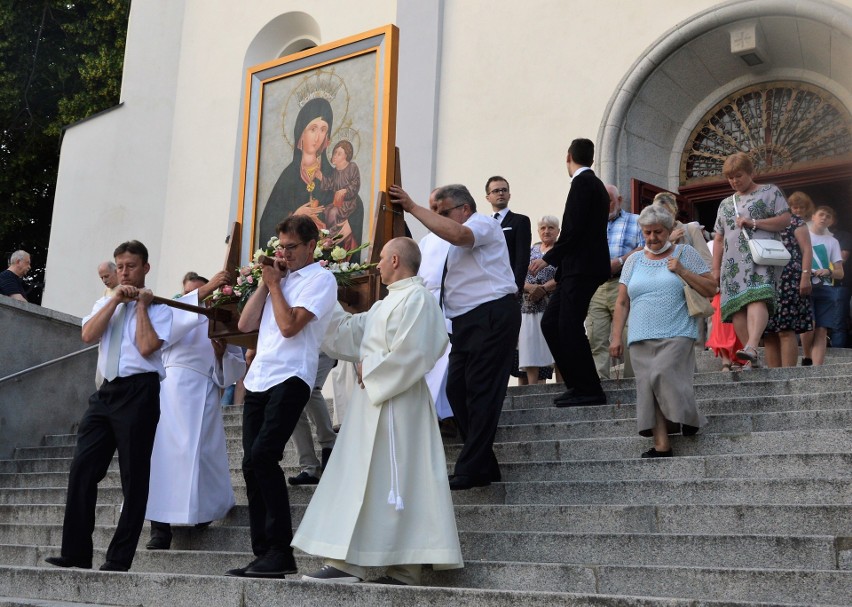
{"x":384,"y":499}
{"x":190,"y":476}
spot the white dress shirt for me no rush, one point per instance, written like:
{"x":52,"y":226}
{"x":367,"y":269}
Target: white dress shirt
{"x":478,"y":274}
{"x":279,"y":358}
{"x":131,"y":361}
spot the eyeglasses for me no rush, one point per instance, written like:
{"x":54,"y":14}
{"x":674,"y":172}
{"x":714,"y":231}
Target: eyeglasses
{"x":446,"y":212}
{"x":500,"y":190}
{"x":291,"y":247}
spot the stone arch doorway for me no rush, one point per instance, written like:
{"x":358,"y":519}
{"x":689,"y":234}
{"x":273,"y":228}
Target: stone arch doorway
{"x":690,"y":70}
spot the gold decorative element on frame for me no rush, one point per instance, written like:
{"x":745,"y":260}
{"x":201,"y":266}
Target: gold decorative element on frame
{"x":778,"y":124}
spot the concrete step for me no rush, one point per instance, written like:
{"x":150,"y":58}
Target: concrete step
{"x":6,"y":601}
{"x":754,"y":550}
{"x":763,"y":491}
{"x":767,"y":442}
{"x":178,"y":590}
{"x":789,"y":465}
{"x":710,"y":407}
{"x":817,"y":519}
{"x":814,"y":587}
{"x":734,"y":388}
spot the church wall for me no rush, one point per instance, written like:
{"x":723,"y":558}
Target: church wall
{"x":113,"y":167}
{"x":519,"y":83}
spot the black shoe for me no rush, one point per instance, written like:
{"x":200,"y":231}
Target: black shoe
{"x":688,"y":430}
{"x":564,"y":396}
{"x":303,"y":479}
{"x":462,"y":483}
{"x":388,"y":580}
{"x":583,"y":400}
{"x":329,"y":574}
{"x":448,"y":427}
{"x":113,"y":566}
{"x":159,"y":543}
{"x":326,"y":453}
{"x":64,"y":561}
{"x":807,"y":362}
{"x":653,"y":453}
{"x":275,"y":563}
{"x":241,"y":571}
{"x":203,"y":525}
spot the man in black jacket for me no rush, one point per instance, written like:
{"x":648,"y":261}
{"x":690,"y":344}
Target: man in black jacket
{"x":516,"y":228}
{"x":581,"y":256}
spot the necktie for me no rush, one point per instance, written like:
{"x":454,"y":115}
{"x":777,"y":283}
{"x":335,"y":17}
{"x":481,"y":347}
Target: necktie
{"x":114,"y":347}
{"x":496,"y":215}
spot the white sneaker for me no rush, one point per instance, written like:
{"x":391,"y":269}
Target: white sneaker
{"x":330,"y":574}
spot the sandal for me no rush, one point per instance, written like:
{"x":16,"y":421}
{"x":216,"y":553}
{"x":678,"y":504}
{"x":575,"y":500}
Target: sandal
{"x":749,"y":353}
{"x":726,"y":366}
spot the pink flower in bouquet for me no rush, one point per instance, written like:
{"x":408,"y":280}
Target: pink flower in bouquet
{"x":227,"y":290}
{"x":327,"y":243}
{"x":240,"y":280}
{"x":250,"y":279}
{"x":279,"y":253}
{"x":323,"y":262}
{"x":245,"y":270}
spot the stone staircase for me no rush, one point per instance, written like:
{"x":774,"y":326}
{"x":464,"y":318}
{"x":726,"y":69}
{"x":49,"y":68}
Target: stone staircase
{"x":755,"y":510}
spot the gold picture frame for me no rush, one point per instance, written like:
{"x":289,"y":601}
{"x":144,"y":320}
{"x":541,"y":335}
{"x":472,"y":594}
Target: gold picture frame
{"x":301,"y":112}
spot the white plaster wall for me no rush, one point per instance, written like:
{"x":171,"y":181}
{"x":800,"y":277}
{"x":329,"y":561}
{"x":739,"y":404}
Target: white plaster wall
{"x":520,"y":80}
{"x":113,"y":168}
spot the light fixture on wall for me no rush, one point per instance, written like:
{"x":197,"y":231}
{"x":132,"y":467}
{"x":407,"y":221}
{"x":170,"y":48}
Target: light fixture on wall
{"x":748,"y":43}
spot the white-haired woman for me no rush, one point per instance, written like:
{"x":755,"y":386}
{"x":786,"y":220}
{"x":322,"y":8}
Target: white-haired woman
{"x":661,"y":333}
{"x":534,"y":356}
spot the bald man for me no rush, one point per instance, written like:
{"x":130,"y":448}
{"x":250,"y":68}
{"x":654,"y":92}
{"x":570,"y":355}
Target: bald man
{"x":383,"y":500}
{"x":12,"y":279}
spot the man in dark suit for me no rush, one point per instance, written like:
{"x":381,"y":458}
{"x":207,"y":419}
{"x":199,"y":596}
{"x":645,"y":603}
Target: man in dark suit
{"x":581,"y":258}
{"x":516,"y":228}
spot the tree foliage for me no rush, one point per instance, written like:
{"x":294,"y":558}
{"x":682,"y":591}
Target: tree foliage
{"x":59,"y":63}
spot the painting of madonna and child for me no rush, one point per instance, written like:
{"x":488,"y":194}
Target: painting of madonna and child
{"x":316,"y":151}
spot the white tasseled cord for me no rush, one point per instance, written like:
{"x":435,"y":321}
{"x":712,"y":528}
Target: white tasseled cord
{"x":394,"y":497}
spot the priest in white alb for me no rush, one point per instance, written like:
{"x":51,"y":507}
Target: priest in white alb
{"x":190,"y":475}
{"x":384,"y":499}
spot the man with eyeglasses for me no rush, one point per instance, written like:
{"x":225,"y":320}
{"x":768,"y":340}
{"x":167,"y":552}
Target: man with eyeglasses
{"x":478,"y":295}
{"x":516,"y":227}
{"x":291,"y":310}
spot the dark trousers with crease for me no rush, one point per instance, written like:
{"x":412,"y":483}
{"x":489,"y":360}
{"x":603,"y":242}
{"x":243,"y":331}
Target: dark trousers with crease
{"x":269,"y":418}
{"x":563,"y":326}
{"x":123,"y":416}
{"x":484,"y":341}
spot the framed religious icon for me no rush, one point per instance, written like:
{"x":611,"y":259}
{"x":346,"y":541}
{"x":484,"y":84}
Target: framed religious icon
{"x":319,"y":139}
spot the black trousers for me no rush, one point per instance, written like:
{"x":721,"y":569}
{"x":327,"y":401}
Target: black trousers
{"x":122,"y":415}
{"x":565,"y":333}
{"x":480,"y":360}
{"x":268,"y":421}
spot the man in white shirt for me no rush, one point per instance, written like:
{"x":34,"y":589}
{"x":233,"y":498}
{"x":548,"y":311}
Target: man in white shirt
{"x":479,"y":297}
{"x":291,"y":309}
{"x":122,"y":414}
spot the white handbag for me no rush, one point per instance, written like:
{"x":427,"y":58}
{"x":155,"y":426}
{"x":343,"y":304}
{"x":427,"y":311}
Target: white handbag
{"x":764,"y":251}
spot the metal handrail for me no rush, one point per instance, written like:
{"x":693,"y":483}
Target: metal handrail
{"x":47,"y":364}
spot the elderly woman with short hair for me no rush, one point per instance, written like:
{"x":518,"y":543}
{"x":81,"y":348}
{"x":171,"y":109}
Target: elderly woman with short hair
{"x":661,"y":334}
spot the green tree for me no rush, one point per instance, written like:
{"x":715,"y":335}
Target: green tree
{"x":59,"y":63}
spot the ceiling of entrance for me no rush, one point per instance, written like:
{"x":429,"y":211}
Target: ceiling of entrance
{"x":703,"y":71}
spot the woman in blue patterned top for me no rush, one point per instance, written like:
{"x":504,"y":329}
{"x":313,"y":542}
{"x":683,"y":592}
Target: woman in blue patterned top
{"x":661,"y":333}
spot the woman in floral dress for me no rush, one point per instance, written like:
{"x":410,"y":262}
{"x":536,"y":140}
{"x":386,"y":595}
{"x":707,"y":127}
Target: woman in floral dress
{"x":747,"y":289}
{"x":793,"y":313}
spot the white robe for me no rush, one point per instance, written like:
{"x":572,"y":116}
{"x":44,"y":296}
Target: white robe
{"x":433,"y":250}
{"x":350,"y":518}
{"x":190,"y":476}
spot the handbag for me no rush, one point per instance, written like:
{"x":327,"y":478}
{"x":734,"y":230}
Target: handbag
{"x":765,"y":251}
{"x":697,"y":305}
